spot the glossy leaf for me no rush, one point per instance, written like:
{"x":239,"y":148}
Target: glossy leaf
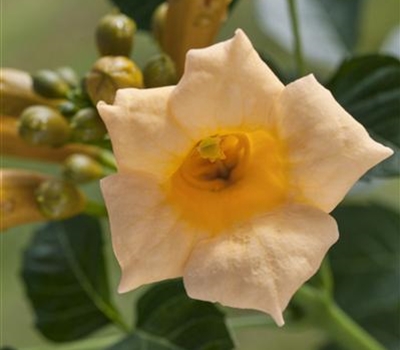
{"x":167,"y":319}
{"x":345,"y":18}
{"x":365,"y":264}
{"x":329,"y":28}
{"x":142,"y":10}
{"x":368,"y":88}
{"x":65,"y":279}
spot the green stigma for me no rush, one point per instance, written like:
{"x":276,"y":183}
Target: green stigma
{"x":210,"y":148}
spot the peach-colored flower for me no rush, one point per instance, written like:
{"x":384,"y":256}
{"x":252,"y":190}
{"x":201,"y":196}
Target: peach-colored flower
{"x":227,"y":179}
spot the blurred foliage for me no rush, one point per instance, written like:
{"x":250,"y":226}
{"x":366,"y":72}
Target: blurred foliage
{"x":365,"y":265}
{"x":167,"y":319}
{"x":65,"y":279}
{"x":368,"y":88}
{"x":345,"y":17}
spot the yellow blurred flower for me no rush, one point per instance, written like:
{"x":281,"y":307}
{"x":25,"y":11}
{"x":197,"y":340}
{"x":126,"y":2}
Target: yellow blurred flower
{"x":227,"y":179}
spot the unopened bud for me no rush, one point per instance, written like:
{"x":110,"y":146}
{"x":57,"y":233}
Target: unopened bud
{"x":59,"y":199}
{"x":109,"y":74}
{"x":79,"y":96}
{"x":80,"y":168}
{"x":158,"y":21}
{"x":114,"y":35}
{"x":41,"y":125}
{"x":49,"y":84}
{"x":87,"y":126}
{"x":17,"y":94}
{"x":68,"y":108}
{"x":160,"y":71}
{"x":17,"y":200}
{"x":68,"y":75}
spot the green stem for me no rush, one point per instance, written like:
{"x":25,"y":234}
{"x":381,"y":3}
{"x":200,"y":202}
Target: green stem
{"x":95,"y":209}
{"x":326,"y":276}
{"x":88,"y":344}
{"x":102,"y":303}
{"x":247,"y":321}
{"x":325,"y":314}
{"x":298,"y":48}
{"x":106,"y":158}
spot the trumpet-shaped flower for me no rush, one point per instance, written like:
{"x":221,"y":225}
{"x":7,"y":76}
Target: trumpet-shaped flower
{"x":228,"y":178}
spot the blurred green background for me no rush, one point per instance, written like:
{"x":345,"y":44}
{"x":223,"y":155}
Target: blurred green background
{"x":39,"y":34}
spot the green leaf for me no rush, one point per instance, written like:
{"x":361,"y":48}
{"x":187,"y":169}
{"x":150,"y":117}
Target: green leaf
{"x":368,"y":88}
{"x":345,"y":18}
{"x":65,"y":279}
{"x":329,"y":28}
{"x":167,"y":319}
{"x":142,"y":10}
{"x":365,"y":264}
{"x":141,"y":341}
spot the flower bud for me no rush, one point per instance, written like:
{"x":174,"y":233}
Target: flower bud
{"x":59,"y":199}
{"x":68,"y":108}
{"x":68,"y":75}
{"x":17,"y":94}
{"x":40,"y":125}
{"x":114,"y":35}
{"x":191,"y":24}
{"x":80,"y":168}
{"x":17,"y":201}
{"x":49,"y":84}
{"x":87,"y":126}
{"x":160,"y":71}
{"x":109,"y":74}
{"x":14,"y":145}
{"x":79,"y":96}
{"x":158,"y":21}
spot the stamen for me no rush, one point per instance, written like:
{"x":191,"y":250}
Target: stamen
{"x":210,"y":148}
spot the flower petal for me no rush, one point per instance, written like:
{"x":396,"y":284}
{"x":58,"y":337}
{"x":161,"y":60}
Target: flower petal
{"x":224,"y":86}
{"x":262,"y":264}
{"x":148,"y":240}
{"x":144,"y":136}
{"x":328,"y":149}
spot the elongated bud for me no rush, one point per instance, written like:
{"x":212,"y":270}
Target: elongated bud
{"x":191,"y":24}
{"x":109,"y":74}
{"x":158,"y":21}
{"x":115,"y":34}
{"x":17,"y":93}
{"x":49,"y":84}
{"x":14,"y":145}
{"x":80,"y":168}
{"x":17,"y":200}
{"x":40,"y":125}
{"x":160,"y":71}
{"x":87,"y":126}
{"x":68,"y":75}
{"x":59,"y":199}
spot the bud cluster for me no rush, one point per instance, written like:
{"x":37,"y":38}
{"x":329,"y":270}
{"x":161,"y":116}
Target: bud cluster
{"x":57,"y":107}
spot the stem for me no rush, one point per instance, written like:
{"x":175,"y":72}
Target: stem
{"x":89,"y":344}
{"x":106,"y":158}
{"x":298,"y":48}
{"x":95,"y":209}
{"x":325,"y":314}
{"x":326,"y":276}
{"x":249,"y":321}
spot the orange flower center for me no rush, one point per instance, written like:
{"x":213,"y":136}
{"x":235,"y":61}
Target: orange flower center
{"x":229,"y":178}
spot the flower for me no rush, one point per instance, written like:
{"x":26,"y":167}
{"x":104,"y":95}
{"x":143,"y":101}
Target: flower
{"x":227,"y":179}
